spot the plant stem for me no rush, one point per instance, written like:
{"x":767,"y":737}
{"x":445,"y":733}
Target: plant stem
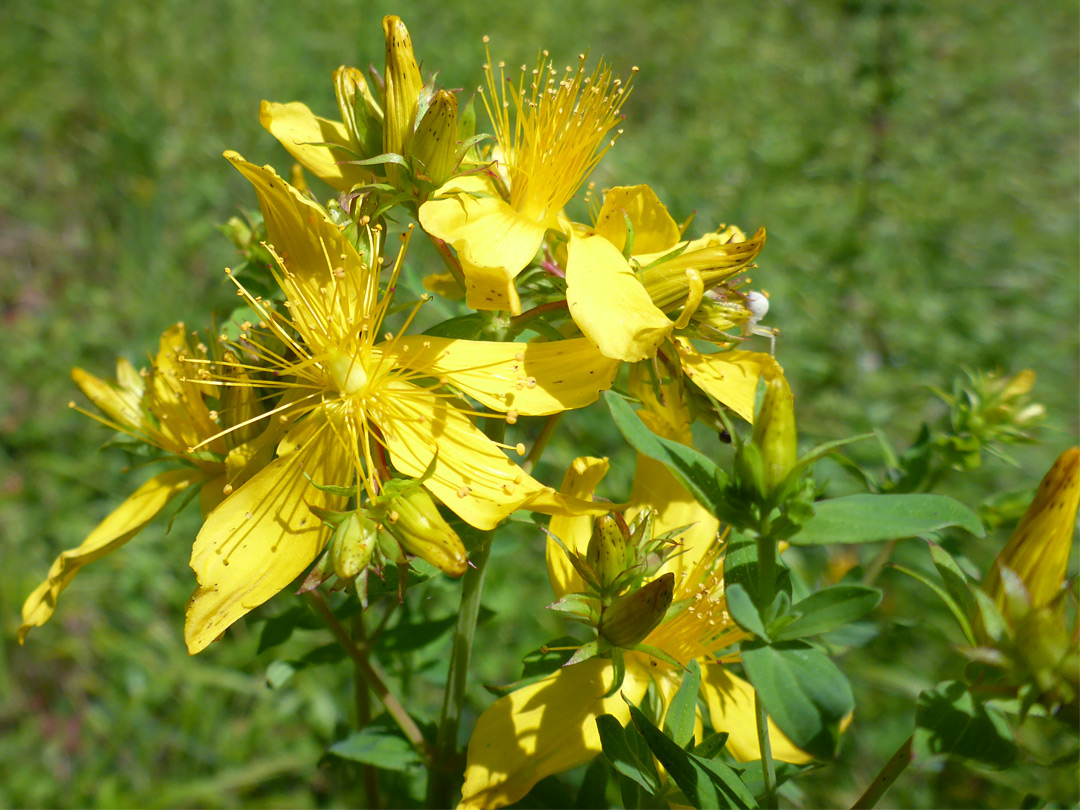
{"x":886,"y":776}
{"x":768,"y":768}
{"x":363,"y":712}
{"x":444,"y":761}
{"x":472,"y":588}
{"x":541,"y":443}
{"x":370,"y":674}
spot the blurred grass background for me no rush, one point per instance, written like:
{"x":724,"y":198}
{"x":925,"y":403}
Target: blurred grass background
{"x":915,"y":165}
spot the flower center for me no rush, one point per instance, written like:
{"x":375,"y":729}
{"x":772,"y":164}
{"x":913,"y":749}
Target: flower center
{"x":347,"y":373}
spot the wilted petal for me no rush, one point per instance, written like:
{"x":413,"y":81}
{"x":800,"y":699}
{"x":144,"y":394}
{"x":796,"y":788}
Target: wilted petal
{"x":472,"y":475}
{"x":543,"y":729}
{"x":731,"y":708}
{"x":730,"y":376}
{"x":126,"y":521}
{"x":580,"y":481}
{"x":532,"y":379}
{"x":264,"y":535}
{"x":609,"y":304}
{"x":317,"y":144}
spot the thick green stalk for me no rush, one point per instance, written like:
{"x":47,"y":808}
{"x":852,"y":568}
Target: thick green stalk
{"x":445,"y":756}
{"x":444,"y":762}
{"x":766,"y":550}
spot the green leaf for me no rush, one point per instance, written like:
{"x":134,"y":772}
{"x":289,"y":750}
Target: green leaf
{"x":744,"y":611}
{"x":701,"y":477}
{"x":682,"y":712}
{"x":711,"y":745}
{"x":869,"y":518}
{"x":827,"y":610}
{"x":374,"y":746}
{"x":466,"y":327}
{"x":279,"y":629}
{"x":949,"y":720}
{"x":416,"y":635}
{"x":957,"y":583}
{"x":618,"y":753}
{"x":278,"y":673}
{"x":706,"y":783}
{"x":954,"y":607}
{"x":803,"y":691}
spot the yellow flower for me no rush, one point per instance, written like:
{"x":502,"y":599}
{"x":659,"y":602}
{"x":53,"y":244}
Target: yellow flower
{"x":550,"y":726}
{"x":357,"y":404}
{"x":619,"y":294}
{"x":163,"y":409}
{"x":550,"y":134}
{"x":1038,"y":551}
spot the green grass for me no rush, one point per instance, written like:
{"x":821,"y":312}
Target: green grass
{"x":915,"y":166}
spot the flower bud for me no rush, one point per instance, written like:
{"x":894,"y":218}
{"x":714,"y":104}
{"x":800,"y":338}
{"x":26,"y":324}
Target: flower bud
{"x":403,"y":87}
{"x":434,"y":145}
{"x":1038,"y":551}
{"x":631,"y":617}
{"x":774,"y":432}
{"x":414,"y":520}
{"x":360,"y":113}
{"x":607,"y":550}
{"x":352,"y":545}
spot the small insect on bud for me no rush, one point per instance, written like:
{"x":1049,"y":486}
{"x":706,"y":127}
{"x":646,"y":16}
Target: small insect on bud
{"x":631,"y":617}
{"x":607,"y":550}
{"x":774,"y":433}
{"x":352,"y":545}
{"x":415,"y":522}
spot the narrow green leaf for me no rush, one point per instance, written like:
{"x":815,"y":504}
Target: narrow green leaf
{"x":706,"y":783}
{"x":827,"y":610}
{"x":803,"y":691}
{"x":618,"y":753}
{"x":374,"y":746}
{"x":465,"y":327}
{"x":701,"y":477}
{"x":957,"y":583}
{"x":954,"y":608}
{"x":744,"y":611}
{"x":869,"y":518}
{"x":949,"y":720}
{"x":711,"y":745}
{"x":681,"y":714}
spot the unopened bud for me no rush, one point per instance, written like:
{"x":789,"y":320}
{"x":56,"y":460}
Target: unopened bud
{"x":1038,"y":551}
{"x":403,"y":87}
{"x":774,"y":432}
{"x":631,"y":617}
{"x":434,"y":145}
{"x":414,"y":520}
{"x":607,"y":550}
{"x":352,"y":545}
{"x":360,"y":112}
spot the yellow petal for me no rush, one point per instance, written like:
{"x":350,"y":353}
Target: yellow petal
{"x":1038,"y":550}
{"x":580,"y":481}
{"x":494,"y":243}
{"x":609,"y":304}
{"x":118,"y":403}
{"x":542,"y":729}
{"x":126,"y":521}
{"x":532,"y":379}
{"x":472,"y":476}
{"x":310,"y":246}
{"x":731,"y":708}
{"x":730,"y":376}
{"x":444,"y":284}
{"x":264,"y":535}
{"x":306,"y":137}
{"x":654,"y":229}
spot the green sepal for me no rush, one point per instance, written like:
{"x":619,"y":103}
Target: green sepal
{"x":586,"y":607}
